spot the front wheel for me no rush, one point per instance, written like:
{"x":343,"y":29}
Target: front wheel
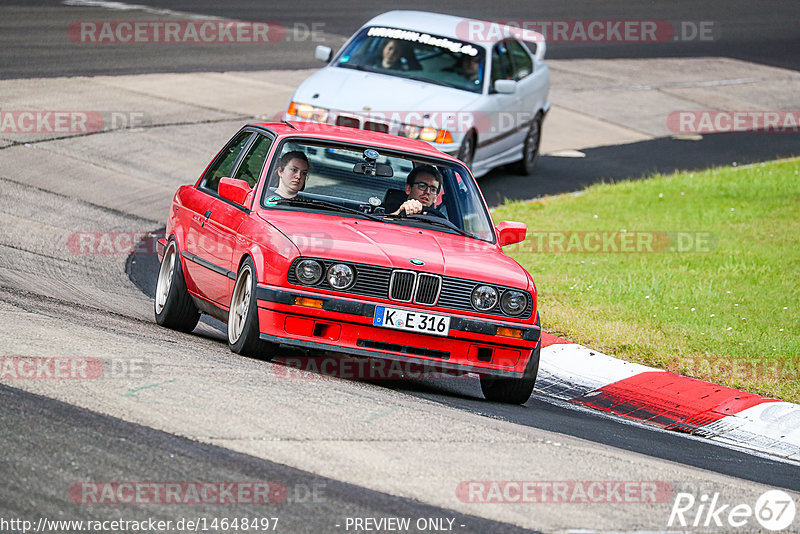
{"x":243,"y":331}
{"x":530,"y":151}
{"x":172,"y":304}
{"x":466,"y":152}
{"x":513,"y":390}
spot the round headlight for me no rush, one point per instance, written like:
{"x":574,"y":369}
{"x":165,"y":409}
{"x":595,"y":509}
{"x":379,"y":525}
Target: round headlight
{"x":513,"y":302}
{"x":308,"y":272}
{"x":340,"y":276}
{"x":484,"y":298}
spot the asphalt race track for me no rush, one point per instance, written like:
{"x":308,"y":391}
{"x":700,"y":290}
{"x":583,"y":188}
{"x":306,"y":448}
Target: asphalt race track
{"x":181,"y":408}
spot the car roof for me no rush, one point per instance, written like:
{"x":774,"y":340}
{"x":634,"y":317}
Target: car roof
{"x":438,"y":24}
{"x":315,"y":130}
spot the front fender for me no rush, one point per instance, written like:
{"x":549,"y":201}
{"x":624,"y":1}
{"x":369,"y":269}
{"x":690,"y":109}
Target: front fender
{"x":271,"y":250}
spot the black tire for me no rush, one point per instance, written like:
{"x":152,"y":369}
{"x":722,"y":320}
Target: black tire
{"x":243,"y":331}
{"x":530,"y":150}
{"x":172,"y":304}
{"x":513,"y":390}
{"x":466,"y":152}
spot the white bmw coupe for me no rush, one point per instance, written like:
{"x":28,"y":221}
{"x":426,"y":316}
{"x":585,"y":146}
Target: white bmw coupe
{"x":473,"y":89}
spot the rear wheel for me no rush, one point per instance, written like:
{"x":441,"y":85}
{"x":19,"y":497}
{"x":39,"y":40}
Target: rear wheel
{"x":172,"y":304}
{"x":530,"y":151}
{"x":243,"y":331}
{"x":513,"y":390}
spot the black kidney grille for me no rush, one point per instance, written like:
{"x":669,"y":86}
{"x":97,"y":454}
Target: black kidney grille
{"x":350,"y":122}
{"x":401,"y":286}
{"x":376,"y":126}
{"x":428,"y":287}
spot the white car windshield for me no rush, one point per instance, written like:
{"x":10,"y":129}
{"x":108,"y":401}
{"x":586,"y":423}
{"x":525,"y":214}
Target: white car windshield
{"x":357,"y":181}
{"x":416,"y":55}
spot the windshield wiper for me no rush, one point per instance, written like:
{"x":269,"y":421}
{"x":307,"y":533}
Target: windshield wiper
{"x":326,"y":205}
{"x":436,"y":221}
{"x":356,"y":66}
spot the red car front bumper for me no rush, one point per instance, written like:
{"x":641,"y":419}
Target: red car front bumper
{"x":346,"y":325}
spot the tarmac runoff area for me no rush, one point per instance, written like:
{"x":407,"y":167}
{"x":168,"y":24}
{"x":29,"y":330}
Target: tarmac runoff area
{"x":58,"y":303}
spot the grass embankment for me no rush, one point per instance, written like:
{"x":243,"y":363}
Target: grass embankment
{"x":726,"y":310}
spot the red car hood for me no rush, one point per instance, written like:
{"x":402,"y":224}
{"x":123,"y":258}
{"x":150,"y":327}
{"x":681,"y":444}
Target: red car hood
{"x":393,"y":245}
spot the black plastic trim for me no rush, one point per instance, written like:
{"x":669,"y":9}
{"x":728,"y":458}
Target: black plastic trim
{"x":364,"y":309}
{"x":208,"y":265}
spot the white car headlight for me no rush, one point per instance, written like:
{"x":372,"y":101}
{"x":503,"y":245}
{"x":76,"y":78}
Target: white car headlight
{"x":307,"y":111}
{"x":412,"y":132}
{"x":426,"y":133}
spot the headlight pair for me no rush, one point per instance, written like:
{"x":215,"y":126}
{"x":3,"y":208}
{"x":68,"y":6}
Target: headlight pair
{"x":426,"y":133}
{"x":340,"y":276}
{"x":484,"y":298}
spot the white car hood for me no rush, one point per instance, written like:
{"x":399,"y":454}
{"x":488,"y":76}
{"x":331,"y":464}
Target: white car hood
{"x":351,"y":90}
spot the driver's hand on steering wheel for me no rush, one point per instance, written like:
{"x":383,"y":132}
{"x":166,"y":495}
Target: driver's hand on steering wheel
{"x":411,"y":207}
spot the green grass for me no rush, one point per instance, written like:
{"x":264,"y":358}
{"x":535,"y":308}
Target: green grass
{"x":727,"y":313}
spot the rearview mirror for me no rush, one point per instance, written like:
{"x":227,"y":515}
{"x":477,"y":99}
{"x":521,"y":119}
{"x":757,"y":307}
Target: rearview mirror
{"x":373,"y":169}
{"x":510,"y":232}
{"x":234,"y":190}
{"x":323,"y":53}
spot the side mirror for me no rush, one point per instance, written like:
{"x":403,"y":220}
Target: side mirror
{"x":323,"y":53}
{"x":506,"y":87}
{"x":234,"y":190}
{"x":510,"y":232}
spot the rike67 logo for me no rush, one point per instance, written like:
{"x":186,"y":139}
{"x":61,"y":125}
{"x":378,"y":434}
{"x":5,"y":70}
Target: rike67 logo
{"x":774,"y":510}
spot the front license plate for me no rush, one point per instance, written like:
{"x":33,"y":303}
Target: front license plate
{"x":413,"y":321}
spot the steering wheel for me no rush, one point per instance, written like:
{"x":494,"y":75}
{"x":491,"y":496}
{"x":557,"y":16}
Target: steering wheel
{"x":426,"y":210}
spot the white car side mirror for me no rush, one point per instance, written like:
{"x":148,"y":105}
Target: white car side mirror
{"x":323,"y":53}
{"x":506,"y":87}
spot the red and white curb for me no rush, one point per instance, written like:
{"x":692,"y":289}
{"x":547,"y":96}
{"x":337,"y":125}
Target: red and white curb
{"x":584,"y":376}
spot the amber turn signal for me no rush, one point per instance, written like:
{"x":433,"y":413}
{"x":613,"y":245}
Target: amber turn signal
{"x":310,"y":303}
{"x":509,"y":332}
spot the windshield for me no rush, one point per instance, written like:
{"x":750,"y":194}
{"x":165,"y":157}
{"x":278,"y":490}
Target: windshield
{"x":353,"y":181}
{"x":415,"y":55}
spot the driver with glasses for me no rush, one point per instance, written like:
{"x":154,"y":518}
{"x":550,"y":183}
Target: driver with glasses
{"x":422,"y":187}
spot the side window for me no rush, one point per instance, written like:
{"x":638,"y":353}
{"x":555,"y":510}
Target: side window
{"x":250,"y":168}
{"x":523,"y":65}
{"x":223,"y":165}
{"x":501,"y":63}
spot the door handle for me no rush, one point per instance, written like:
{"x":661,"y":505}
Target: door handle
{"x":207,"y":214}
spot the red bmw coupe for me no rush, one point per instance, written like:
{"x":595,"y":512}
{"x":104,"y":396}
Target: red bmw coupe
{"x":337,"y":239}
